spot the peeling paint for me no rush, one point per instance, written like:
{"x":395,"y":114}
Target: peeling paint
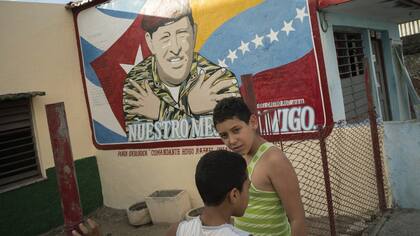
{"x":67,"y":169}
{"x":63,"y":159}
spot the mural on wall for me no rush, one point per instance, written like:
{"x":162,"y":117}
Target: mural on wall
{"x":155,"y":69}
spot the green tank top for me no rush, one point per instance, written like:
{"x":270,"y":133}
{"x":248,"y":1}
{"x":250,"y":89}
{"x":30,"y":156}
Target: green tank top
{"x":265,"y":214}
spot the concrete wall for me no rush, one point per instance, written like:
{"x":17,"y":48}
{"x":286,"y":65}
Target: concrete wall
{"x":39,"y":53}
{"x":134,"y":178}
{"x":402,"y":144}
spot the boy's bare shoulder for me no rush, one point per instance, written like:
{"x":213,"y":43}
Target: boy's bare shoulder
{"x":275,"y":158}
{"x":278,"y":167}
{"x":274,"y":154}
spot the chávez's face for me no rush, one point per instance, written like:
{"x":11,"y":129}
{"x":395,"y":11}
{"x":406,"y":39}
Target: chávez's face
{"x":173,"y":47}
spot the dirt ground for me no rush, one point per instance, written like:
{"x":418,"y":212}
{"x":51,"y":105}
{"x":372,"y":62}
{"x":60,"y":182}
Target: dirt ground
{"x":115,"y":223}
{"x":396,"y":222}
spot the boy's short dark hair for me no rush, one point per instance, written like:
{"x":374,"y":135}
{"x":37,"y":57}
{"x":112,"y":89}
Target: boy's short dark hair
{"x":228,"y":108}
{"x":217,"y":173}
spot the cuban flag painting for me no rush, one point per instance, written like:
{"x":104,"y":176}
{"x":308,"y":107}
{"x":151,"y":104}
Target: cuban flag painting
{"x":270,"y":41}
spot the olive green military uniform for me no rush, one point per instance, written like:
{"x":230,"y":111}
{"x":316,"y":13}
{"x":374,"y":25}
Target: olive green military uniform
{"x":170,"y":109}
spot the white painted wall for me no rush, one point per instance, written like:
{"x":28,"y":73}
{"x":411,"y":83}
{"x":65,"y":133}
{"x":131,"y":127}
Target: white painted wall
{"x":39,"y":53}
{"x":127,"y":180}
{"x":402,"y":153}
{"x":331,"y":67}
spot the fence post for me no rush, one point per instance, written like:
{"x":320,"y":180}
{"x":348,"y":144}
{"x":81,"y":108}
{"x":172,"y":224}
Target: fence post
{"x":375,"y":141}
{"x":63,"y":159}
{"x":248,"y":92}
{"x":327,"y":181}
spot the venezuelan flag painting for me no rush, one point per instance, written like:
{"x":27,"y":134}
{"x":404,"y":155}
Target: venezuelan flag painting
{"x":153,"y":70}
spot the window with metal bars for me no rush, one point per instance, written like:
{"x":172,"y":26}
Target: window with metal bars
{"x":18,"y":156}
{"x":349,"y":48}
{"x":349,"y":54}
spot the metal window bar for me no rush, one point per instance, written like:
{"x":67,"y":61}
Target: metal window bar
{"x":18,"y":157}
{"x":349,"y":47}
{"x":349,"y":54}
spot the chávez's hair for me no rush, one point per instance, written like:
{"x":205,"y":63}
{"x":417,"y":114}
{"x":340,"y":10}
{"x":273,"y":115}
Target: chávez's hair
{"x":157,"y":13}
{"x":217,"y":173}
{"x":229,"y":108}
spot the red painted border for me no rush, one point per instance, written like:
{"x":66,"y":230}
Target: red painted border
{"x":326,"y":3}
{"x":76,"y":12}
{"x":313,"y":6}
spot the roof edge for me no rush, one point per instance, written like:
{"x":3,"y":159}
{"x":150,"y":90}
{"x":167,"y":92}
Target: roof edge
{"x":327,"y":3}
{"x":16,"y":96}
{"x":79,"y":5}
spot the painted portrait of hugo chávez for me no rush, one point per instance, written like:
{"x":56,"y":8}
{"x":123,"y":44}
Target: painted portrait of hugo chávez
{"x":155,"y":69}
{"x":171,"y":93}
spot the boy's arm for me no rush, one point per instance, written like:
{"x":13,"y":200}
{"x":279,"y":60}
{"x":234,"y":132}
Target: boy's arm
{"x":285,"y":183}
{"x":172,"y":230}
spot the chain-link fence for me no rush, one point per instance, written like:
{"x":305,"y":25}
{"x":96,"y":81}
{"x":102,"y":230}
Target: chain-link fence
{"x":339,"y":167}
{"x":339,"y":186}
{"x":306,"y":160}
{"x":353,"y":177}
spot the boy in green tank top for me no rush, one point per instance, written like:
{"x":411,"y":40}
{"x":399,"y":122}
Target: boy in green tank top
{"x":275,"y":206}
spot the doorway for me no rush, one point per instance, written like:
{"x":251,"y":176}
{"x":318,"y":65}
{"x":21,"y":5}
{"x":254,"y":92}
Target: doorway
{"x":379,"y":66}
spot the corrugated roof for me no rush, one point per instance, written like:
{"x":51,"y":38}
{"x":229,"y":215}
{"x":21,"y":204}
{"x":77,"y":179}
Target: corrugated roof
{"x":396,"y":11}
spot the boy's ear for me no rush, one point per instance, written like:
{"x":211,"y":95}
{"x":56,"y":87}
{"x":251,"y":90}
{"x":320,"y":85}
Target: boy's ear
{"x":253,"y":121}
{"x":233,"y":195}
